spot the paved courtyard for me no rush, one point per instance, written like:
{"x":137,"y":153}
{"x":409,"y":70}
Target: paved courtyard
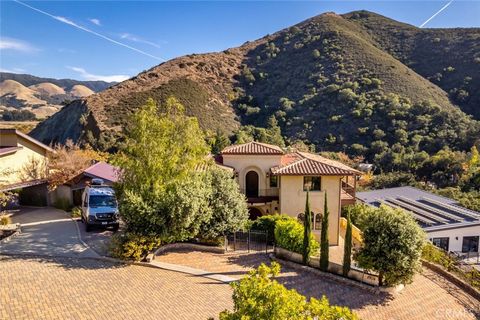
{"x":428,"y":297}
{"x":48,"y":273}
{"x":64,"y":288}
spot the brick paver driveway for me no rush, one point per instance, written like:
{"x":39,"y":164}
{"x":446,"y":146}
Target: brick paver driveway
{"x":66,"y":288}
{"x":428,"y":297}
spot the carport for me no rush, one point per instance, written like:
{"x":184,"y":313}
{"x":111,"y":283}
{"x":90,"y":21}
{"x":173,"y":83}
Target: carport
{"x":30,"y":193}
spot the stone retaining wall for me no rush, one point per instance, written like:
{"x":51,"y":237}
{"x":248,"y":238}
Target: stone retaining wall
{"x":334,"y":268}
{"x":452,"y":278}
{"x":191,"y":246}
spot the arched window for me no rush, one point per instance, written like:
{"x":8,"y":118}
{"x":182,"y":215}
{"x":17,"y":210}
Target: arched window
{"x":318,"y":221}
{"x":301,"y":217}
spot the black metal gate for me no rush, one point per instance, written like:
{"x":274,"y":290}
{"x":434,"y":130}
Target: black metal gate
{"x":247,"y":241}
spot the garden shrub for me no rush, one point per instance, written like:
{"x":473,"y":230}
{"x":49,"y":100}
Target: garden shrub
{"x":258,"y":296}
{"x":4,"y":220}
{"x":438,"y":256}
{"x":289,"y":236}
{"x":132,"y":246}
{"x":267,"y":224}
{"x":76,"y":212}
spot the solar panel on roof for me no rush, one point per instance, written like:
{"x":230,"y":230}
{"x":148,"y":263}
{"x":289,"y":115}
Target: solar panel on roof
{"x":418,"y":211}
{"x":414,"y":215}
{"x":437,"y":211}
{"x":456,"y":209}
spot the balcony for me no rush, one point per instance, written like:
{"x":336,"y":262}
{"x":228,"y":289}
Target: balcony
{"x":347,"y":193}
{"x":261,"y":195}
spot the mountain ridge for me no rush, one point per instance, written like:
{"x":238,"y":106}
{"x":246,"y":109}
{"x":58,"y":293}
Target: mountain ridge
{"x":326,"y":80}
{"x":42,"y":97}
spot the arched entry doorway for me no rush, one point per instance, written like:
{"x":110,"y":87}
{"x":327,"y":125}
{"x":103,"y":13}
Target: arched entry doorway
{"x":251,"y":184}
{"x":254,"y":213}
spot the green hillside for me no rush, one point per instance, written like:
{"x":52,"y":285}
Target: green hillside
{"x":450,"y":58}
{"x":328,"y":83}
{"x":359,"y":83}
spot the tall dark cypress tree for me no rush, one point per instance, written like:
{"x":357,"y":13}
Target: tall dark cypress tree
{"x":347,"y":251}
{"x":324,"y":238}
{"x":307,"y":229}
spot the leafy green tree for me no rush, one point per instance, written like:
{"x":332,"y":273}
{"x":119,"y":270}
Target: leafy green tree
{"x":259,"y":296}
{"x":274,"y":133}
{"x":18,"y":115}
{"x":444,"y":168}
{"x":393,"y":179}
{"x":160,"y":191}
{"x":218,"y":142}
{"x":347,"y":253}
{"x":392,"y":245}
{"x":162,"y":145}
{"x":324,"y":244}
{"x":357,"y":213}
{"x":472,"y":183}
{"x":185,"y":208}
{"x":307,"y":230}
{"x":227,"y":203}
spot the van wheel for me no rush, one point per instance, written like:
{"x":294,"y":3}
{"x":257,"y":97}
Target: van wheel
{"x":88,"y":227}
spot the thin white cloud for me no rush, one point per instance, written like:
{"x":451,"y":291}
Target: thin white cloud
{"x":13,"y":70}
{"x":436,"y":13}
{"x":95,"y":22}
{"x":16,"y":45}
{"x":73,"y":24}
{"x":135,"y":38}
{"x":94,"y":77}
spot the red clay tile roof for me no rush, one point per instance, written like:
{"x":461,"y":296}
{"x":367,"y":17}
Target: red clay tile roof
{"x":311,"y":164}
{"x":253,"y":148}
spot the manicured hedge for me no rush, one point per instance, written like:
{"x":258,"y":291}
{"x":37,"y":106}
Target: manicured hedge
{"x":289,"y":236}
{"x":267,"y":224}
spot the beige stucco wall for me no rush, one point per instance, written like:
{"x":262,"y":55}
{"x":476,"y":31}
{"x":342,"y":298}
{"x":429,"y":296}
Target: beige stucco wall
{"x":291,"y":195}
{"x":292,"y":201}
{"x":259,"y":163}
{"x":15,"y":162}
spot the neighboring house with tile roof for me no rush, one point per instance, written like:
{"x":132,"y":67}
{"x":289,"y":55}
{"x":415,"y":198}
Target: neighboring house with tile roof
{"x":276,"y":181}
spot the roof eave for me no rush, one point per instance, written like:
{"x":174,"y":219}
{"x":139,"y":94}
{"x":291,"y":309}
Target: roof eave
{"x":34,"y":141}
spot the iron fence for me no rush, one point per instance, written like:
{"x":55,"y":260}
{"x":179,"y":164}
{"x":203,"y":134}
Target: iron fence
{"x":256,"y":241}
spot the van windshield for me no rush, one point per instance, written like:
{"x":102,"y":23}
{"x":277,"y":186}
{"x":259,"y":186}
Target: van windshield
{"x":102,"y":201}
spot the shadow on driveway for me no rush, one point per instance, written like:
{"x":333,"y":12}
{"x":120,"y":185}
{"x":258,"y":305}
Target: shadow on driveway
{"x":66,"y":263}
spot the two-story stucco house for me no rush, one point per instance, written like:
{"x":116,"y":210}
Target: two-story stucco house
{"x":17,"y":153}
{"x":275,"y":181}
{"x":23,"y":163}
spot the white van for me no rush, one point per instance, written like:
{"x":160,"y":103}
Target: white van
{"x":99,"y":206}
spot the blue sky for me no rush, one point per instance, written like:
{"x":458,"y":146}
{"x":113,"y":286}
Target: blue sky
{"x":55,"y":46}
